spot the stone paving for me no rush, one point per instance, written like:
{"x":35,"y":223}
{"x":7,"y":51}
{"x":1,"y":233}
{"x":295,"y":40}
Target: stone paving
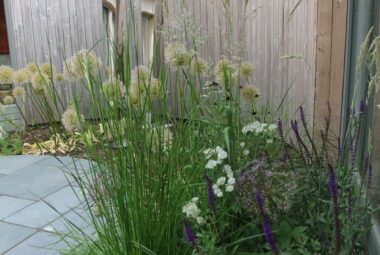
{"x":37,"y":200}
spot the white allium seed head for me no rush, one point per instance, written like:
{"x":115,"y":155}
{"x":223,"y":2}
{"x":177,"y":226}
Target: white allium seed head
{"x":8,"y":100}
{"x":6,"y":75}
{"x":18,"y":92}
{"x":22,"y":76}
{"x":72,"y":120}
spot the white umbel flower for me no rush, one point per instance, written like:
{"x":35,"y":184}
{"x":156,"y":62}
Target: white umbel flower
{"x":211,"y":164}
{"x":221,"y":181}
{"x":229,"y":188}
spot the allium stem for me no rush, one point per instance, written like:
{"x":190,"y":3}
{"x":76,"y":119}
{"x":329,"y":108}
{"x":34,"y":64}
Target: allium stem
{"x":333,"y":189}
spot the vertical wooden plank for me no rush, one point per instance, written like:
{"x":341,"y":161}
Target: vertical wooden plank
{"x":323,"y":68}
{"x":340,"y":9}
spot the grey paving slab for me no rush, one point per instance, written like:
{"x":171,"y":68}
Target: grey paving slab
{"x":57,"y":161}
{"x":77,"y":218}
{"x":10,"y":164}
{"x":10,"y":205}
{"x":33,"y":182}
{"x":80,"y":164}
{"x":41,"y":243}
{"x":36,"y":215}
{"x":11,"y":235}
{"x":65,"y":199}
{"x":29,"y":187}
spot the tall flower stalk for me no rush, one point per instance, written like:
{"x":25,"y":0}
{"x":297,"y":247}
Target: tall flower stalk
{"x":333,"y":190}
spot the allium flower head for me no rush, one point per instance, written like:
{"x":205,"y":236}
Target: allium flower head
{"x":22,"y":76}
{"x":223,"y":68}
{"x":113,"y":88}
{"x":162,"y":137}
{"x":18,"y":92}
{"x":154,"y":88}
{"x":246,"y":70}
{"x":249,"y":93}
{"x":72,"y":120}
{"x":8,"y":100}
{"x":108,"y":71}
{"x":48,"y":69}
{"x":139,"y":91}
{"x":32,"y":67}
{"x":39,"y":82}
{"x":59,"y":77}
{"x":80,"y":63}
{"x":199,"y":66}
{"x":6,"y":75}
{"x":177,"y":55}
{"x":140,"y":74}
{"x":68,"y":69}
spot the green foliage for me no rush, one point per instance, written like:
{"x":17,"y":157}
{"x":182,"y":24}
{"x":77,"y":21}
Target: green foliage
{"x":11,"y":144}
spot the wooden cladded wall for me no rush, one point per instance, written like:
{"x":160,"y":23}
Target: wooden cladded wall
{"x":296,"y":46}
{"x":41,"y":30}
{"x":279,"y":38}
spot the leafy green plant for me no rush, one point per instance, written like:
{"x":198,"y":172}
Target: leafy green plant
{"x":11,"y":144}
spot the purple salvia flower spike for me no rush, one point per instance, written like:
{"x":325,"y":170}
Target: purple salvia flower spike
{"x":369,"y":180}
{"x":362,"y":107}
{"x":189,"y":234}
{"x":339,"y":149}
{"x":333,"y":189}
{"x":302,"y":145}
{"x":349,"y":204}
{"x":210,"y":195}
{"x":269,"y":238}
{"x":302,"y":116}
{"x":282,"y":137}
{"x":366,"y":166}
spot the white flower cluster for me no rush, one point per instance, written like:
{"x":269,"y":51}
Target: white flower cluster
{"x":220,"y":156}
{"x":258,"y":128}
{"x":192,"y":210}
{"x":228,"y":182}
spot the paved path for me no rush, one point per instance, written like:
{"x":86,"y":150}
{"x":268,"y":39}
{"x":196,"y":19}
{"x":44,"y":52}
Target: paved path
{"x":29,"y":187}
